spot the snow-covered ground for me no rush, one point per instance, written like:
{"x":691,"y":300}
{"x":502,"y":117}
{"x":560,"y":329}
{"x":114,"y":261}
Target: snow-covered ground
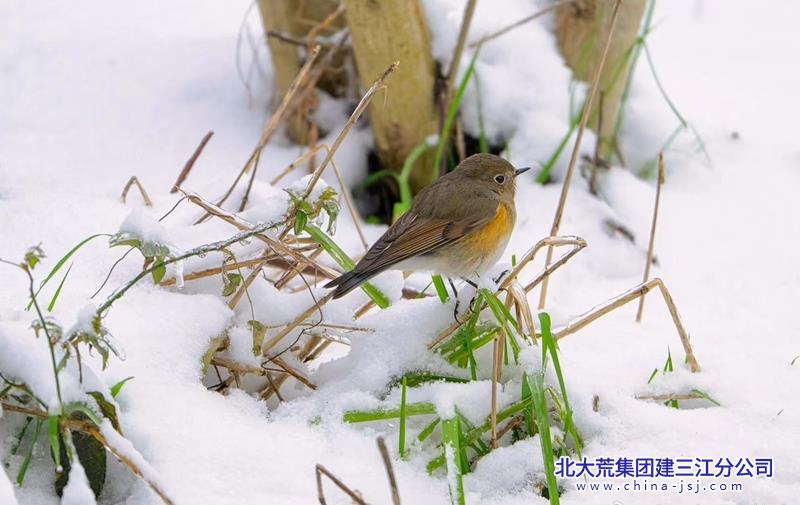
{"x":95,"y":93}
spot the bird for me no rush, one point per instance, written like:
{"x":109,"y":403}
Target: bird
{"x":458,"y":226}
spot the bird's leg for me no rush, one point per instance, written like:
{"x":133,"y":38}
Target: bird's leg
{"x":497,"y":279}
{"x":475,"y":295}
{"x":455,"y":296}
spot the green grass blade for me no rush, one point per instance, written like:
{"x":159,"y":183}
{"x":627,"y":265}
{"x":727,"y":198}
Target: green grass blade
{"x":451,"y":438}
{"x":402,"y":434}
{"x":549,"y":345}
{"x":412,"y":409}
{"x":543,"y":422}
{"x":116,"y":388}
{"x":428,"y":430}
{"x":52,"y":303}
{"x":23,"y":469}
{"x":55,"y":444}
{"x":544,"y":174}
{"x":452,"y":112}
{"x":61,"y":262}
{"x":346,"y":263}
{"x":441,"y":290}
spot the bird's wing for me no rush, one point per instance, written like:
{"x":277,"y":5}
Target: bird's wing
{"x":413,"y":235}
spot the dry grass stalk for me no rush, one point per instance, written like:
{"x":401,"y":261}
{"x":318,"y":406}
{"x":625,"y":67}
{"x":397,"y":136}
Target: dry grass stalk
{"x":135,"y":180}
{"x":317,"y":307}
{"x":272,"y":125}
{"x":671,"y":396}
{"x":577,"y":245}
{"x":387,"y":463}
{"x":497,"y":372}
{"x":513,"y":423}
{"x":521,"y":22}
{"x":210,"y":272}
{"x":649,"y":262}
{"x":296,"y":163}
{"x":632,"y":294}
{"x":320,"y":471}
{"x":587,"y":108}
{"x":276,"y":245}
{"x":190,"y":163}
{"x":323,"y":25}
{"x":93,"y":431}
{"x":359,"y":110}
{"x":452,"y":71}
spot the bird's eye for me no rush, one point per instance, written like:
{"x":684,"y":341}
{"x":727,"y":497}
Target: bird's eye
{"x":499,"y":179}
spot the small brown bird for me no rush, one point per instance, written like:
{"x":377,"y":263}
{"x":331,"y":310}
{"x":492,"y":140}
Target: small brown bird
{"x":458,"y":226}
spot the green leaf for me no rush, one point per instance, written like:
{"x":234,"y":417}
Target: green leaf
{"x":159,"y":270}
{"x":33,"y":256}
{"x":231,"y":283}
{"x":107,"y":408}
{"x":92,"y":456}
{"x":301,"y":218}
{"x":116,"y":388}
{"x":259,"y":332}
{"x":73,"y":407}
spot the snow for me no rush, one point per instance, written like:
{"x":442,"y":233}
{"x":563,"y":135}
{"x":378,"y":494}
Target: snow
{"x":91,"y":97}
{"x":77,"y":490}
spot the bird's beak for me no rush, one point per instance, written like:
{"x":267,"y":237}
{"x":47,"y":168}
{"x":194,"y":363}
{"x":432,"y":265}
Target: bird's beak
{"x":521,"y":171}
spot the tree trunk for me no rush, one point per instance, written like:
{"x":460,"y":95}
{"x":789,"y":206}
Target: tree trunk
{"x":383,"y":31}
{"x":581,"y":30}
{"x":294,"y":18}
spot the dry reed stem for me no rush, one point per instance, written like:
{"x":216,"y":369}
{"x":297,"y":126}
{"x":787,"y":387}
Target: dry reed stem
{"x":387,"y":464}
{"x":320,"y":471}
{"x":296,"y":163}
{"x":671,"y":396}
{"x":452,"y":71}
{"x":271,"y":126}
{"x":210,"y":272}
{"x":519,"y":23}
{"x":577,"y":243}
{"x":276,"y":245}
{"x":190,"y":163}
{"x":135,"y":180}
{"x":652,"y":242}
{"x":314,"y":32}
{"x":618,"y":301}
{"x":515,"y":421}
{"x":497,"y":371}
{"x":296,"y":322}
{"x":587,"y":108}
{"x":359,"y":110}
{"x":93,"y":431}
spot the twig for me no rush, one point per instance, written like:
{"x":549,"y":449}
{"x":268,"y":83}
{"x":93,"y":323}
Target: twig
{"x":587,"y":108}
{"x":651,"y":245}
{"x":452,"y":71}
{"x":189,"y":164}
{"x":387,"y":463}
{"x":359,"y":110}
{"x":671,"y":396}
{"x":271,"y":126}
{"x":521,"y":22}
{"x":320,"y":471}
{"x":618,"y":301}
{"x":135,"y":180}
{"x":497,"y":370}
{"x":209,"y":272}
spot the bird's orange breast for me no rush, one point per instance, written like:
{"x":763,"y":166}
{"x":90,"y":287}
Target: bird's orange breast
{"x":495,"y":233}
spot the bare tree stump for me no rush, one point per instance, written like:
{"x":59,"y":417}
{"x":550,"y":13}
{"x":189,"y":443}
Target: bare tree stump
{"x":383,"y":31}
{"x":293,"y":18}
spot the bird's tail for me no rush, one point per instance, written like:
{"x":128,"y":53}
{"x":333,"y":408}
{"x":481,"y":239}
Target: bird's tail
{"x":349,"y":281}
